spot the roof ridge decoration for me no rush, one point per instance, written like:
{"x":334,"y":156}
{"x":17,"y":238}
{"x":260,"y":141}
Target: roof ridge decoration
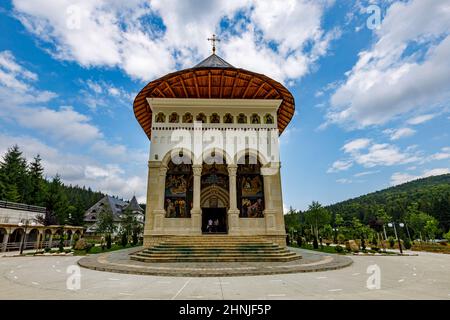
{"x":213,"y":61}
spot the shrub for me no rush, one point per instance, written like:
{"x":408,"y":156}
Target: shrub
{"x":299,"y":241}
{"x":363,"y":244}
{"x":135,"y":239}
{"x":391,"y":242}
{"x":108,"y":241}
{"x":338,"y":249}
{"x":407,"y":244}
{"x":88,"y":247}
{"x":47,"y":249}
{"x":67,"y":250}
{"x":447,"y":236}
{"x":340,"y":238}
{"x":124,"y":240}
{"x":315,"y":244}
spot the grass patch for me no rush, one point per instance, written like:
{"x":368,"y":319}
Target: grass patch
{"x":98,"y":249}
{"x":326,"y":249}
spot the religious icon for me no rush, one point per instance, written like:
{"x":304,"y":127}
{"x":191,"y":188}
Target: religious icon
{"x":228,"y":118}
{"x":269,"y":119}
{"x":173,"y":118}
{"x":242,"y":118}
{"x":255,"y":119}
{"x":170,"y":209}
{"x":215,"y":118}
{"x":252,"y":208}
{"x":187,"y":118}
{"x":251,"y":186}
{"x":160,"y":117}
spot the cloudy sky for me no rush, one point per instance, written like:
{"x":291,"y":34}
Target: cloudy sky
{"x":371,"y":81}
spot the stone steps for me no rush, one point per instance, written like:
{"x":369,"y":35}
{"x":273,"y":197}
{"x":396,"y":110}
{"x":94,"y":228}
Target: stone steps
{"x":215,"y":248}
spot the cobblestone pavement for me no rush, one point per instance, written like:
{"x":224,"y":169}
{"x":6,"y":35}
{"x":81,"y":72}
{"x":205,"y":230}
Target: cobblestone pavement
{"x":425,"y":276}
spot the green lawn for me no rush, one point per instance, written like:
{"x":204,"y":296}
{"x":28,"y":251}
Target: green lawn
{"x":326,"y":249}
{"x":98,"y":249}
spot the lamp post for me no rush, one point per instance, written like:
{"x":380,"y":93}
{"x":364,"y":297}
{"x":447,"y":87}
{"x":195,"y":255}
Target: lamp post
{"x":392,"y":224}
{"x":335,"y":234}
{"x":26,"y":224}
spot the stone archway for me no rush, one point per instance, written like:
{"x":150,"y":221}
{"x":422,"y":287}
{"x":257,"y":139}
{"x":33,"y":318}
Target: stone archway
{"x":32,"y":239}
{"x":214,"y":195}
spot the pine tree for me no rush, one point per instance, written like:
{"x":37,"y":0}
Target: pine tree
{"x":56,"y":203}
{"x":13,"y":172}
{"x":36,"y":193}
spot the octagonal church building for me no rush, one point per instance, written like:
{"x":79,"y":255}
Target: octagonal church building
{"x":214,"y":168}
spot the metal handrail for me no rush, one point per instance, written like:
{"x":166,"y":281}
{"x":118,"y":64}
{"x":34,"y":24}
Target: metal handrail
{"x":21,"y":206}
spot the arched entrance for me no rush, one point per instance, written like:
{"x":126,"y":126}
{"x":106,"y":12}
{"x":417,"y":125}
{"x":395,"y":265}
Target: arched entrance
{"x":31,"y":240}
{"x":214,"y":196}
{"x":15,"y":239}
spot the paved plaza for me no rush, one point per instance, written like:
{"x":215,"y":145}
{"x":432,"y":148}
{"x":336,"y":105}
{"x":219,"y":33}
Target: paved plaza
{"x":426,"y":276}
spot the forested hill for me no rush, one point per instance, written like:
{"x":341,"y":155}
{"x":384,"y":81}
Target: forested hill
{"x":24,"y":182}
{"x":432,"y":195}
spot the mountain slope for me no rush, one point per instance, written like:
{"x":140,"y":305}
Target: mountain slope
{"x":432,"y":194}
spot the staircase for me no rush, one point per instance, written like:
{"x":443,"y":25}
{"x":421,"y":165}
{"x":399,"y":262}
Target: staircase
{"x":215,"y":248}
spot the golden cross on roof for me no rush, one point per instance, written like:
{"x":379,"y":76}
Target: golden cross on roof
{"x":213,"y":41}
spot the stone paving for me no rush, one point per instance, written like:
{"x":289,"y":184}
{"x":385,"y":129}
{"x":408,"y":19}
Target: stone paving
{"x":119,"y":261}
{"x":425,"y":276}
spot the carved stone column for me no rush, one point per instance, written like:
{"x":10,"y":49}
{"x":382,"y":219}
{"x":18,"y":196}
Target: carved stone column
{"x":268,"y":174}
{"x":196,"y":209}
{"x":159,"y":211}
{"x":233,"y":212}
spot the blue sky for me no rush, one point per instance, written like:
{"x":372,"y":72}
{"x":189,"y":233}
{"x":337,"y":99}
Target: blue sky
{"x":372,"y":99}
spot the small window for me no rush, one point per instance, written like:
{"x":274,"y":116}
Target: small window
{"x":255,"y":119}
{"x":268,"y":119}
{"x":242,"y":118}
{"x":214,"y":118}
{"x":201,"y":117}
{"x":160,"y":118}
{"x":174,"y":118}
{"x":187,"y":118}
{"x":228,"y":118}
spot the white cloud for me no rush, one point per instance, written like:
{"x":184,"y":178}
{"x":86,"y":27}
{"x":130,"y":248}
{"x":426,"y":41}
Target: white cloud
{"x":396,"y":134}
{"x":356,"y":145}
{"x":399,"y":178}
{"x":394,"y":77}
{"x":421,"y":119}
{"x":115,"y":34}
{"x":384,"y":154}
{"x":344,"y":181}
{"x":444,"y":154}
{"x":369,"y":154}
{"x":365,"y":173}
{"x":340,"y":165}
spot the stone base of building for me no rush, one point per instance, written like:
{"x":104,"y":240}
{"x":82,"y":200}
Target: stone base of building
{"x":152,"y":240}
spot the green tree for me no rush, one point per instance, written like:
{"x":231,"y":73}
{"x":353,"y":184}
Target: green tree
{"x":417,"y":221}
{"x":431,"y":228}
{"x":447,"y":236}
{"x":317,"y":216}
{"x":105,"y":224}
{"x":13,"y":172}
{"x":56,"y":203}
{"x":36,"y":193}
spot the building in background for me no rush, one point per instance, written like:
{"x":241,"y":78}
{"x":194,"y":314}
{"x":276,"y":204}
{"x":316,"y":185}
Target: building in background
{"x":117,"y":208}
